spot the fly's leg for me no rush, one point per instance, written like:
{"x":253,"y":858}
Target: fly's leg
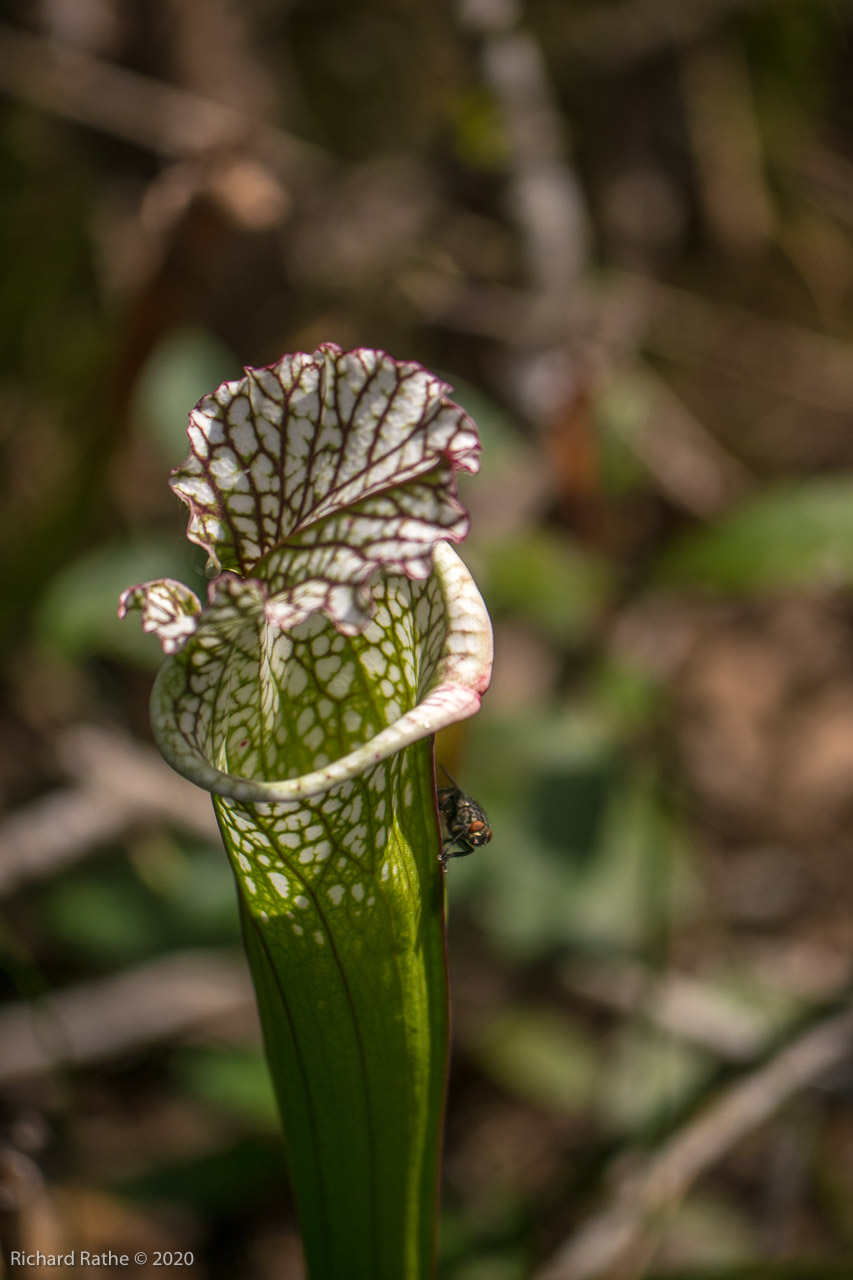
{"x":448,"y":851}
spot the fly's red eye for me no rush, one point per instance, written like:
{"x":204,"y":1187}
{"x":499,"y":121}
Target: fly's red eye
{"x":477,"y":826}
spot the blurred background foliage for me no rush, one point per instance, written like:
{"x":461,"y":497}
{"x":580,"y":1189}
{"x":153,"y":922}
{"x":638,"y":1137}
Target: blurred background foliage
{"x":623,"y":230}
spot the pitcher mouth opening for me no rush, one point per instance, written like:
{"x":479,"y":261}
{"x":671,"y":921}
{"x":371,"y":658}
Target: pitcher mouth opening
{"x":453,"y":674}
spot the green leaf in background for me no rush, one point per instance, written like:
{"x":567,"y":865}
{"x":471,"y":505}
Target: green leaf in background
{"x":794,"y":535}
{"x":540,"y":577}
{"x":243,"y":1175}
{"x":494,"y":1266}
{"x":178,"y":372}
{"x":612,"y":894}
{"x":589,"y":853}
{"x":539,"y":1055}
{"x":622,"y":410}
{"x":479,"y":130}
{"x":77,"y":615}
{"x":123,"y":910}
{"x":340,"y":634}
{"x":649,"y":1077}
{"x":233,"y":1080}
{"x":107,"y":918}
{"x":194,"y":887}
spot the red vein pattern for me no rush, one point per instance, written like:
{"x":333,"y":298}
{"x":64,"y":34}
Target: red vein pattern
{"x":319,"y":470}
{"x":168,"y":608}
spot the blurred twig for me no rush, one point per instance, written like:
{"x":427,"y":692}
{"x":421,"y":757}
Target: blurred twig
{"x":646,"y":1197}
{"x":545,"y":366}
{"x":685,"y":460}
{"x":172,"y":122}
{"x":623,"y":32}
{"x":727,"y":149}
{"x":676,"y":1002}
{"x":546,"y":195}
{"x":828,"y":177}
{"x":21,"y":1185}
{"x":210,"y":47}
{"x":793,"y":362}
{"x":120,"y":784}
{"x":103,"y":1019}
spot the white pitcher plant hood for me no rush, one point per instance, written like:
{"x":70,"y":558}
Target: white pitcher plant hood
{"x":340,"y":626}
{"x":340,"y":631}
